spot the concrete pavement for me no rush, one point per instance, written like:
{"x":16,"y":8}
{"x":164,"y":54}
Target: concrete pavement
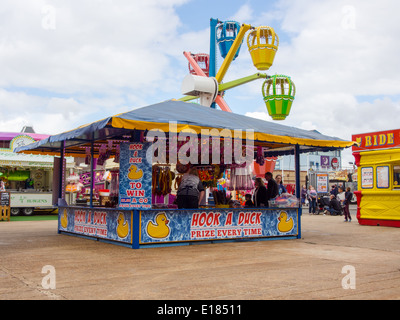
{"x":307,"y":268}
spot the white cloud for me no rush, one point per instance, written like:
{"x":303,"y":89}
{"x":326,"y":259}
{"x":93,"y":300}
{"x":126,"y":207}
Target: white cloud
{"x":101,"y":57}
{"x":259,"y":115}
{"x":339,"y":54}
{"x":94,"y":46}
{"x":243,"y":14}
{"x":107,"y":56}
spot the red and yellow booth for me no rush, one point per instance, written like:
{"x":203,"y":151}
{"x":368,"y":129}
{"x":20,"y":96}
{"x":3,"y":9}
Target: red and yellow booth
{"x":377,"y":157}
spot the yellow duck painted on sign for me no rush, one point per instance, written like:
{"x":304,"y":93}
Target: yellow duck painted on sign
{"x":285,"y":224}
{"x":123,"y":226}
{"x":159,"y":229}
{"x":135,"y":173}
{"x":64,"y":219}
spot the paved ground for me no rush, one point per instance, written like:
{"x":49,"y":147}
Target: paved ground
{"x":307,"y":268}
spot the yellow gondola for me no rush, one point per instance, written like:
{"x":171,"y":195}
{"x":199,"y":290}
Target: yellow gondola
{"x":263,"y":43}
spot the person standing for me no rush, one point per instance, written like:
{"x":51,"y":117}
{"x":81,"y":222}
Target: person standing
{"x":334,"y":190}
{"x":272,"y":187}
{"x":341,"y":195}
{"x":190,"y":191}
{"x":260,"y":194}
{"x":248,"y":202}
{"x":303,"y":194}
{"x":281,"y":187}
{"x":312,"y":199}
{"x":346,"y":209}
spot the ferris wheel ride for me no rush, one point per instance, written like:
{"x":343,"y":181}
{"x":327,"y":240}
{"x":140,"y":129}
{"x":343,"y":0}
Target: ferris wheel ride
{"x":206,"y":83}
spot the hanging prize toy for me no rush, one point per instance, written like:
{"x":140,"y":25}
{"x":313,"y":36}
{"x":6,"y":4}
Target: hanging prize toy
{"x":260,"y":156}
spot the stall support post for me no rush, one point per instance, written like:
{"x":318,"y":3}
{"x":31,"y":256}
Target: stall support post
{"x":298,"y":188}
{"x":135,"y":232}
{"x":92,"y":164}
{"x":61,"y":182}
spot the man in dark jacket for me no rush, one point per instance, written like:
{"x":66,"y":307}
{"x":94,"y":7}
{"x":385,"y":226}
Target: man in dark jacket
{"x":334,"y":206}
{"x":272,"y":186}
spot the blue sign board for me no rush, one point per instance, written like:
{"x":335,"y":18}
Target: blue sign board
{"x":216,"y":224}
{"x":135,"y":176}
{"x":106,"y":224}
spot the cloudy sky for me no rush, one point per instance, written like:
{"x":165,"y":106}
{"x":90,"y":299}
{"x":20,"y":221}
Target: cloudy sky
{"x":67,"y":63}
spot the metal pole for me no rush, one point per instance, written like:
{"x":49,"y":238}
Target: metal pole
{"x":213,"y":59}
{"x":298,"y":187}
{"x":232,"y":51}
{"x":232,"y":84}
{"x":213,"y":26}
{"x":91,"y":173}
{"x":61,"y":182}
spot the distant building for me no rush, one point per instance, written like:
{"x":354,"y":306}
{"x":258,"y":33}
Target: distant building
{"x":309,"y":162}
{"x":316,"y":161}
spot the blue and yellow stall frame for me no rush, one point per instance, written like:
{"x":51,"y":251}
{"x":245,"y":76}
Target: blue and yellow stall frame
{"x":170,"y":227}
{"x":130,"y":227}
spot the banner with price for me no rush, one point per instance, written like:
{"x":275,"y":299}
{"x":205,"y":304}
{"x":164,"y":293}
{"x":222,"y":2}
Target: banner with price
{"x":135,"y":176}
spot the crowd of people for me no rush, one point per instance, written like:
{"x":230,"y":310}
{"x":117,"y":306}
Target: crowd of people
{"x":191,"y":192}
{"x":338,"y":203}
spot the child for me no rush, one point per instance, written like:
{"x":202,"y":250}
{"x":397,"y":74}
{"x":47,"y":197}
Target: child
{"x":2,"y":185}
{"x":248,"y":202}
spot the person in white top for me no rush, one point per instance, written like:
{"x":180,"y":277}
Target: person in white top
{"x":341,"y":196}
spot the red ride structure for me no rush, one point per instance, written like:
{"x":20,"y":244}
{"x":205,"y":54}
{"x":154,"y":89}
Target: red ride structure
{"x":203,"y":60}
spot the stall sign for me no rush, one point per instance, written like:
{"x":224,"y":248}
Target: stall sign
{"x":135,"y":176}
{"x":367,"y":178}
{"x":105,"y":224}
{"x":322,"y":182}
{"x":37,"y":199}
{"x":216,"y":224}
{"x":376,"y":140}
{"x":324,"y":162}
{"x":4,"y":199}
{"x":335,"y":163}
{"x":382,"y":177}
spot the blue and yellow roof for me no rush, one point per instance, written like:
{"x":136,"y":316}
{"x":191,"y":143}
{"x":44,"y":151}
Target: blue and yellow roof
{"x":277,"y":137}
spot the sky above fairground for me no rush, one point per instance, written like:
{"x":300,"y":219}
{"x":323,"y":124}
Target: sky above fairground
{"x":68,"y":63}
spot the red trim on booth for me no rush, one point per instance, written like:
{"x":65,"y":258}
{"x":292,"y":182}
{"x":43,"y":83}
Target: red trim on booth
{"x":376,"y":222}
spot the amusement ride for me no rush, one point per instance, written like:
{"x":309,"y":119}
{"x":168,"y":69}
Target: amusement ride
{"x":205,"y":83}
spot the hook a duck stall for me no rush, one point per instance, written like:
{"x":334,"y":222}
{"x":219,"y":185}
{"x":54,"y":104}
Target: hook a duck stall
{"x":137,"y":139}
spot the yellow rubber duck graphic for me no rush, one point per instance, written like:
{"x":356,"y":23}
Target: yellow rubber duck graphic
{"x":285,"y":224}
{"x":159,"y":229}
{"x":134,"y":173}
{"x":123,"y":226}
{"x":64,"y":219}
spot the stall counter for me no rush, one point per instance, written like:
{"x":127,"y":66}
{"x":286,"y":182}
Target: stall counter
{"x":165,"y":227}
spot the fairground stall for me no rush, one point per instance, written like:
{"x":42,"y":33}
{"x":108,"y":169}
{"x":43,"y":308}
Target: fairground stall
{"x":145,"y":145}
{"x":377,"y":157}
{"x":27,"y":177}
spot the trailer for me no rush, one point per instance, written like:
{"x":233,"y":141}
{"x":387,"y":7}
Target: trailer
{"x":27,"y":202}
{"x":27,"y":177}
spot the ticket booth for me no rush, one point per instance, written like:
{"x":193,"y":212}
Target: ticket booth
{"x":378,"y":159}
